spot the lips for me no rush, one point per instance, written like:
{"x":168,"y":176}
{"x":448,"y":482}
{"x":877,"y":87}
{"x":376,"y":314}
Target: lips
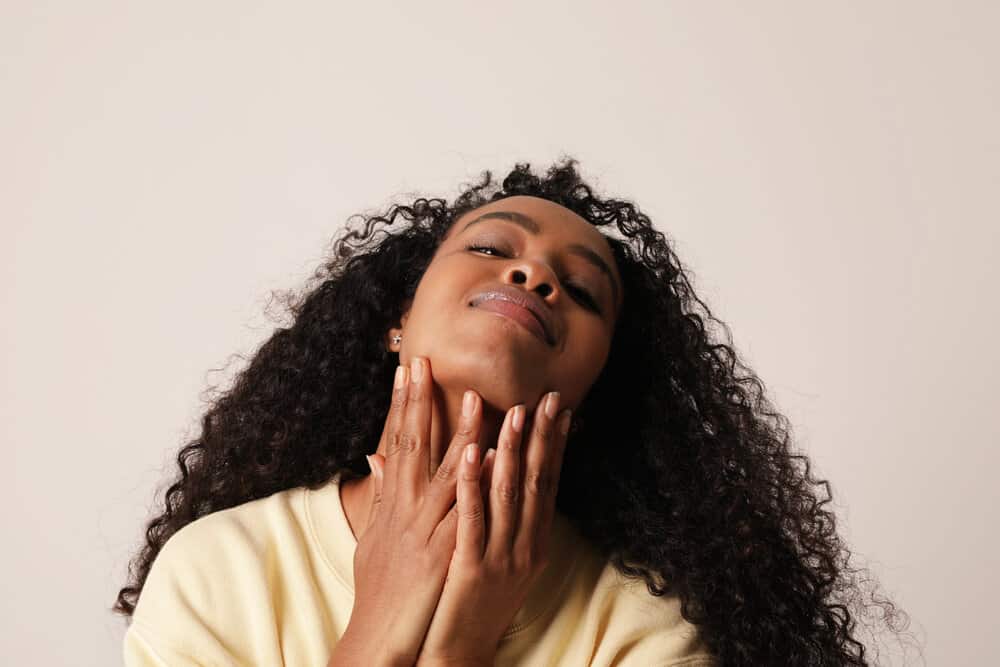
{"x":521,"y":307}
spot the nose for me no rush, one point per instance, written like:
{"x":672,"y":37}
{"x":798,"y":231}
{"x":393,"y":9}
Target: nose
{"x":533,"y":275}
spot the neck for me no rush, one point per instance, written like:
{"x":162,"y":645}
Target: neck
{"x":357,"y":494}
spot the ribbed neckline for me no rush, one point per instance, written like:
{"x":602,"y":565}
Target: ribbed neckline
{"x":335,"y":541}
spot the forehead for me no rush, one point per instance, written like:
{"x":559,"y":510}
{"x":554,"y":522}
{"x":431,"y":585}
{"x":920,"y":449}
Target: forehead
{"x":552,"y":219}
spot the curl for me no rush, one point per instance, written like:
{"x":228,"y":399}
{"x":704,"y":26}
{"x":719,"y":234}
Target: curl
{"x":702,"y":495}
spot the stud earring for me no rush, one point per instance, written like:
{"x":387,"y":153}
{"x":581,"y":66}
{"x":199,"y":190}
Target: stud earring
{"x":396,"y":339}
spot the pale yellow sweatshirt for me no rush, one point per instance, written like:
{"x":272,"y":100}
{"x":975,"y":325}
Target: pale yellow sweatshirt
{"x":271,"y":582}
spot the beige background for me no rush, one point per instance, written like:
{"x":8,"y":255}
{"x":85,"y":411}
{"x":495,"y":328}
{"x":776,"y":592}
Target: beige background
{"x":827,"y":170}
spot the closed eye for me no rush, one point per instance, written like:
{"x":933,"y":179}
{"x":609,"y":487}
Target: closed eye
{"x":581,"y":294}
{"x":584,"y":296}
{"x":485,"y":247}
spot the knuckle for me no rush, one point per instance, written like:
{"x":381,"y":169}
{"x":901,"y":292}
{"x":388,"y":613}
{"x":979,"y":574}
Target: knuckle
{"x":408,"y":443}
{"x":473,"y":513}
{"x":416,"y":395}
{"x":506,"y":493}
{"x":538,"y":482}
{"x":399,"y":398}
{"x":543,"y":427}
{"x":394,"y":445}
{"x":508,"y":444}
{"x":445,"y":472}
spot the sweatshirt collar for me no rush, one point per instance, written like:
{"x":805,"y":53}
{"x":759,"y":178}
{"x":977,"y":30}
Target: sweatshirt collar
{"x":333,"y":537}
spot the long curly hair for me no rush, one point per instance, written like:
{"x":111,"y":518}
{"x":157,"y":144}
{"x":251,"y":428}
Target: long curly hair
{"x":701,"y":494}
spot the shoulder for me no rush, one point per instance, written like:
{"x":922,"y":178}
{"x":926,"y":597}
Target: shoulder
{"x":209,"y":597}
{"x":631,"y":626}
{"x":219,"y":555}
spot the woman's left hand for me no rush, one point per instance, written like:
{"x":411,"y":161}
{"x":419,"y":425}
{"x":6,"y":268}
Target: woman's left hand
{"x":495,"y":563}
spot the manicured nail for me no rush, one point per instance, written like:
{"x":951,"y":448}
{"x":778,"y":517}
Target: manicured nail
{"x":564,"y":419}
{"x":468,"y":403}
{"x":400,"y":377}
{"x":417,"y":369}
{"x":518,"y":419}
{"x":470,"y":453}
{"x":551,"y":404}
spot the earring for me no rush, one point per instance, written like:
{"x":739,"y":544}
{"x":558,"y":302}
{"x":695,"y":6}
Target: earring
{"x":396,"y":339}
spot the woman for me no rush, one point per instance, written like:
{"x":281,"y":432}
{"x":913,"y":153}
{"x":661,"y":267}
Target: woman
{"x":654,"y":514}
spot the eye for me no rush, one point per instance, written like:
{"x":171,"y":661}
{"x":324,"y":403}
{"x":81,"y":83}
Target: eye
{"x":486,"y":247}
{"x":584,"y":296}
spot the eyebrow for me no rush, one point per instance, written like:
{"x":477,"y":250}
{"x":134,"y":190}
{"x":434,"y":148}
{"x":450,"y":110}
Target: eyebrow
{"x":533,"y":227}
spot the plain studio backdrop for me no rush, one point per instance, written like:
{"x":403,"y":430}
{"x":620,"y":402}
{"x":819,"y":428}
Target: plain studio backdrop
{"x":827,"y":171}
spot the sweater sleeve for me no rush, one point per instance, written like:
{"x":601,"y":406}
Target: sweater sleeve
{"x":655,"y":648}
{"x":636,"y":629}
{"x":191,"y":611}
{"x":143,"y":648}
{"x":138,"y":652}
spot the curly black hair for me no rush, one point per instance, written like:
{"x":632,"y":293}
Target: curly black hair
{"x":702,"y":496}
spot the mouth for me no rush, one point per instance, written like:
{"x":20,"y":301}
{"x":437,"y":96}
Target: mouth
{"x":523,"y":316}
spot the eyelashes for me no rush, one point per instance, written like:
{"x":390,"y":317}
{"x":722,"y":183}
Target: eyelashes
{"x":581,"y":294}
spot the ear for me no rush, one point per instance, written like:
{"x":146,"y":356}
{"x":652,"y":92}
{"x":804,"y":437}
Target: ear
{"x":397,"y":329}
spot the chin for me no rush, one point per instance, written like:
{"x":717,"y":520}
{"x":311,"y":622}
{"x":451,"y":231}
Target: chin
{"x":502,"y":374}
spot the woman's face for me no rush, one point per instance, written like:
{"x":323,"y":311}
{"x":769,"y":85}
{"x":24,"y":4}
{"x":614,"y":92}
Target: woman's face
{"x":545,"y":254}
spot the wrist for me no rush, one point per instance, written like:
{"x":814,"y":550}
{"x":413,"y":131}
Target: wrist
{"x":354,"y":649}
{"x":455,"y":662}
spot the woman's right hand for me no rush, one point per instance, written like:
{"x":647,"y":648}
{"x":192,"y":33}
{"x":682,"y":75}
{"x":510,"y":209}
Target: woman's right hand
{"x":404,"y":551}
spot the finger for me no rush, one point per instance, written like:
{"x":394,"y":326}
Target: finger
{"x":562,"y":430}
{"x":537,"y":487}
{"x":440,"y":494}
{"x":485,"y":480}
{"x":486,"y":476}
{"x":471,"y":517}
{"x":467,"y":431}
{"x":505,"y":485}
{"x":413,"y":455}
{"x":389,"y":443}
{"x":377,"y":474}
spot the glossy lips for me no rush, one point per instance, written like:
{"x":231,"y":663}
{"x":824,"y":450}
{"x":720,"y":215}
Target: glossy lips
{"x":519,"y":306}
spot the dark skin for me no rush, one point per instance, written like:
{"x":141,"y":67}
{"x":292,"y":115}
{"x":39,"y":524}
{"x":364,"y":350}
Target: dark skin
{"x":494,"y":538}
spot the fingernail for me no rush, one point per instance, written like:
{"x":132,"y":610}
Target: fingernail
{"x":551,"y":404}
{"x":417,"y":369}
{"x":470,"y":453}
{"x":468,"y":403}
{"x":564,"y":420}
{"x":518,"y":421}
{"x":400,"y":376}
{"x":370,"y":466}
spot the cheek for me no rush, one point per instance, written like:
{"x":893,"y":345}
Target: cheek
{"x":433,"y":286}
{"x":585,"y":355}
{"x":438,"y":298}
{"x":448,"y":278}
